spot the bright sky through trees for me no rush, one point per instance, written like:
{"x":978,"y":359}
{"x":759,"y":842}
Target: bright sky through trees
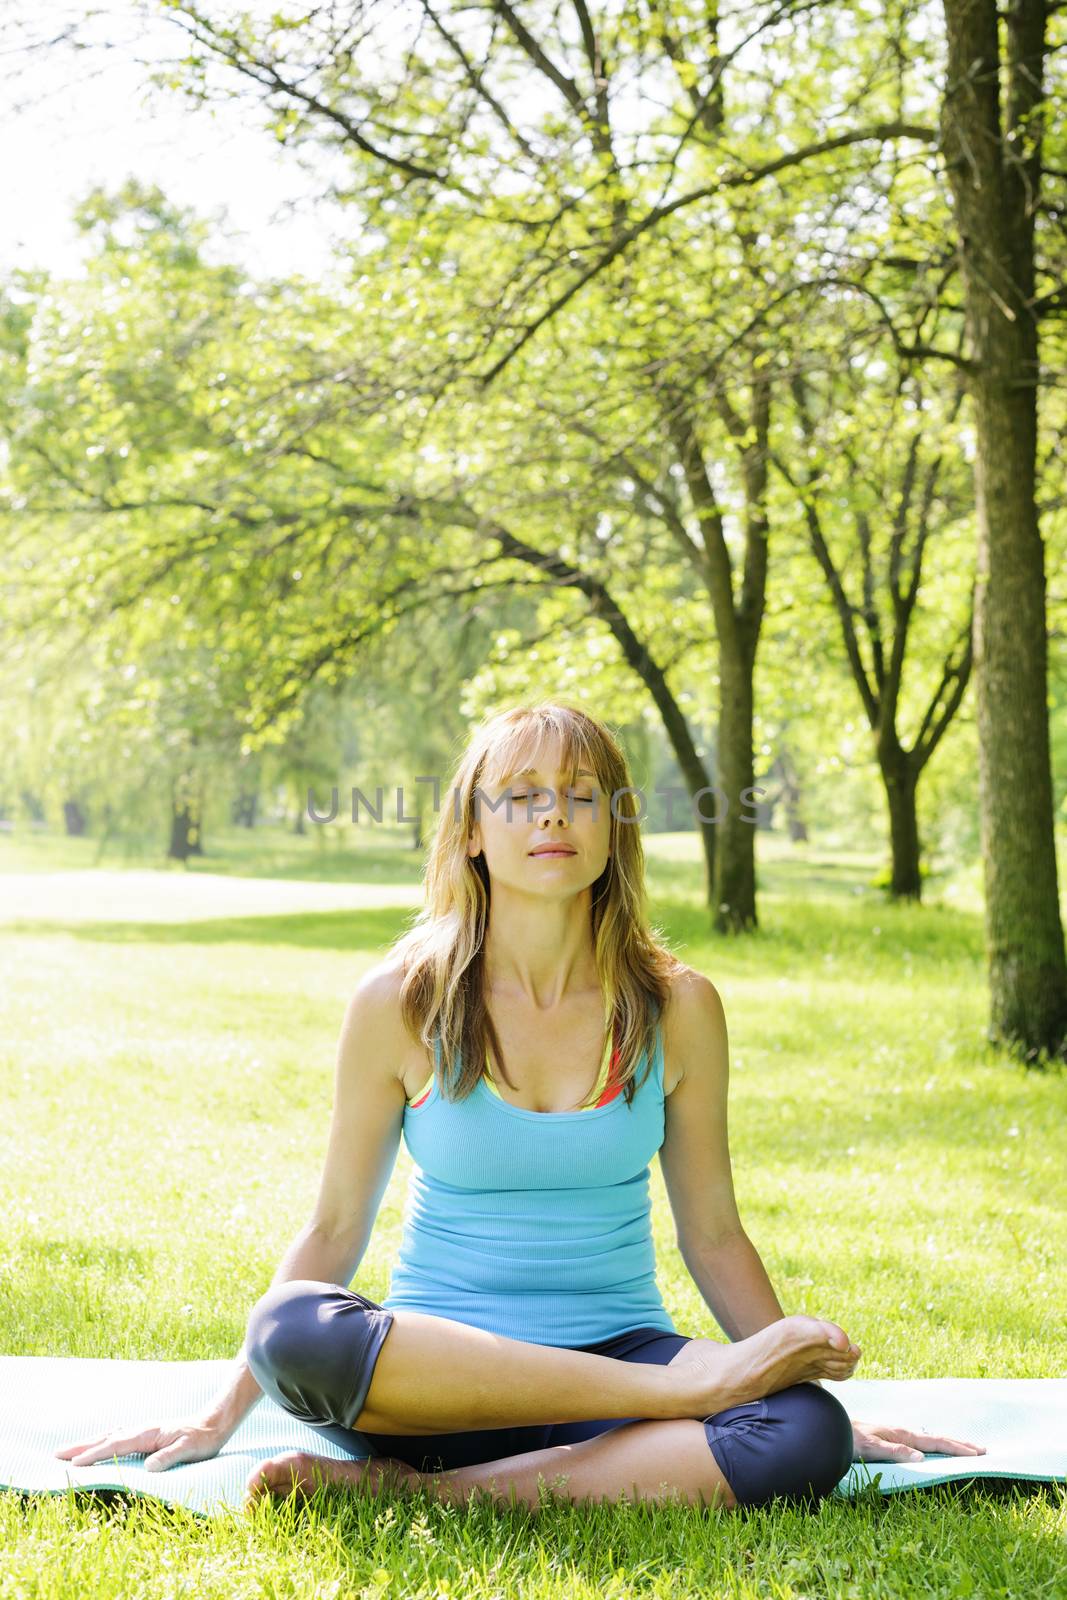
{"x":72,"y":120}
{"x":74,"y":117}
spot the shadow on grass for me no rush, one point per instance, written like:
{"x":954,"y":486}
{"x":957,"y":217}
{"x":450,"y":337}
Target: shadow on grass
{"x":314,"y":930}
{"x":800,"y":927}
{"x":83,"y":1253}
{"x":379,"y":863}
{"x":363,"y":855}
{"x":969,"y":1494}
{"x":787,"y":935}
{"x":808,"y":905}
{"x":830,"y":877}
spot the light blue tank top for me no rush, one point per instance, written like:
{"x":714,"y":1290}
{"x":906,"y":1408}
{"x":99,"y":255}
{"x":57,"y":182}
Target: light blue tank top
{"x":533,"y":1224}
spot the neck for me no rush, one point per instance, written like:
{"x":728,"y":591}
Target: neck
{"x":539,"y":952}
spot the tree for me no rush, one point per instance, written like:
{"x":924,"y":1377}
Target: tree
{"x":902,"y":488}
{"x":994,"y":159}
{"x":529,"y":218}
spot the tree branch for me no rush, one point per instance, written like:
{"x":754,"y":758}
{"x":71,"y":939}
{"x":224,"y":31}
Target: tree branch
{"x":658,"y":214}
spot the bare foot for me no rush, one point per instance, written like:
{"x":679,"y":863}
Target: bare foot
{"x":300,"y":1471}
{"x":793,"y":1350}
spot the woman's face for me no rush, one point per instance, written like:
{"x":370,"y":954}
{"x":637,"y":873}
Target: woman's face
{"x":546,"y":807}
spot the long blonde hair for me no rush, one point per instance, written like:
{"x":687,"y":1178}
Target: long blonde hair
{"x":442,"y":993}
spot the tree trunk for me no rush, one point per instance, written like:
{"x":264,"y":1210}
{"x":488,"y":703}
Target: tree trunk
{"x":245,"y":806}
{"x":181,"y":822}
{"x":995,"y":180}
{"x":764,"y":810}
{"x":798,"y":828}
{"x":900,"y":788}
{"x":74,"y":819}
{"x":737,"y":626}
{"x":185,"y":815}
{"x":735,"y":862}
{"x":637,"y":656}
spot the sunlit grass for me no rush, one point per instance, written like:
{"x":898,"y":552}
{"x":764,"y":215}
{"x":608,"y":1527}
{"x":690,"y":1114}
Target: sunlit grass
{"x":166,"y":1088}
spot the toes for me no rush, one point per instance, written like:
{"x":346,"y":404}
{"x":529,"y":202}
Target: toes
{"x":279,"y":1475}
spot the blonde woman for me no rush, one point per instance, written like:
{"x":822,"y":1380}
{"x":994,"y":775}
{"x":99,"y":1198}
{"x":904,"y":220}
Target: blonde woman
{"x":535,"y":1046}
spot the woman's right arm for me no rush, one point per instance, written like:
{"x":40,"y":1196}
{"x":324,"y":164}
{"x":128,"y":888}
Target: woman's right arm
{"x":311,"y":1255}
{"x":368,"y":1108}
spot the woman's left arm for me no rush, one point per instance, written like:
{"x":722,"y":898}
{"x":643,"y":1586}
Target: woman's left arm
{"x":734,"y":1285}
{"x":737,"y":1290}
{"x":695,"y":1161}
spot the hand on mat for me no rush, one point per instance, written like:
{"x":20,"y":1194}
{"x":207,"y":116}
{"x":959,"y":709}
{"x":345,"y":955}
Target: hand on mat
{"x":873,"y":1442}
{"x":164,"y":1444}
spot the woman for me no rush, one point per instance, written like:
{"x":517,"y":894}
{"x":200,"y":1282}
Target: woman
{"x":523,"y":1342}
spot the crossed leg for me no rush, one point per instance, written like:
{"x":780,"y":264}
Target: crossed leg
{"x":635,"y":1461}
{"x":319,"y":1348}
{"x":640,"y":1458}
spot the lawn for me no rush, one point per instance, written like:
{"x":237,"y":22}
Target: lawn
{"x":165,"y":1068}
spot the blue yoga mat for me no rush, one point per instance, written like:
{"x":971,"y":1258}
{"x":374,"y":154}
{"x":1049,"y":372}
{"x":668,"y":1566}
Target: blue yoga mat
{"x":47,"y":1402}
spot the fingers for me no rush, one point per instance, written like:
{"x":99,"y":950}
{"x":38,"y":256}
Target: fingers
{"x":107,"y":1446}
{"x":916,"y":1446}
{"x":933,"y":1444}
{"x":158,"y":1445}
{"x":69,"y":1450}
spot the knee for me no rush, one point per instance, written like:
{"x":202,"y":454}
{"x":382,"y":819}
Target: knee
{"x":794,"y":1445}
{"x":820,"y":1440}
{"x":283,"y":1327}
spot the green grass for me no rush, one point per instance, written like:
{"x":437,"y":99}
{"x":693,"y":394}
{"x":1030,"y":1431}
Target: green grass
{"x":165,"y":1098}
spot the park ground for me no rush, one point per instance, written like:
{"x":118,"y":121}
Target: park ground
{"x":166,"y":1054}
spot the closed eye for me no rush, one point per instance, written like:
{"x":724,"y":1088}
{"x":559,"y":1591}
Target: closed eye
{"x":584,"y":799}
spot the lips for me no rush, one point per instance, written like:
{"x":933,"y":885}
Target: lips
{"x":553,"y":850}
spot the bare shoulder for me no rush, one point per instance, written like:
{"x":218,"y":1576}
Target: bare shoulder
{"x":374,"y":1018}
{"x":695,"y":1154}
{"x":693,"y":1018}
{"x":380,"y":986}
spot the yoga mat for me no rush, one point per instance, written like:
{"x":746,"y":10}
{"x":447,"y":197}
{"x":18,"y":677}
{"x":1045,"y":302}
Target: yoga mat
{"x":47,"y":1402}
